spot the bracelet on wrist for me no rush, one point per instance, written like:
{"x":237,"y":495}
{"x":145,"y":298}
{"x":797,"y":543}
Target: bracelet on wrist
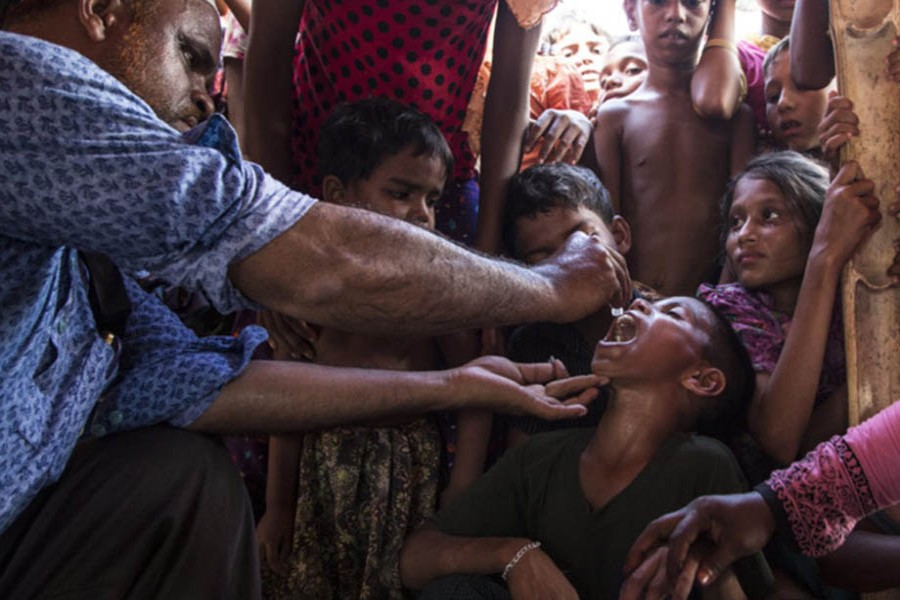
{"x":721,"y":43}
{"x":518,"y":556}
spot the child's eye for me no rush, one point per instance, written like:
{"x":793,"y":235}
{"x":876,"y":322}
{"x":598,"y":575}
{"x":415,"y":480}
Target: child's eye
{"x":633,"y":71}
{"x":770,"y":214}
{"x":735,"y":222}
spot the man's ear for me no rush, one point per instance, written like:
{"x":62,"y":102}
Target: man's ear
{"x":100,"y":17}
{"x":704,"y":380}
{"x":333,"y":190}
{"x":621,"y":231}
{"x":630,"y":12}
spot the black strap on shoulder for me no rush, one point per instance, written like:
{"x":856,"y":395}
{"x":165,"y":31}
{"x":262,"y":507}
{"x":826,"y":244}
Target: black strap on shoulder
{"x":106,"y":291}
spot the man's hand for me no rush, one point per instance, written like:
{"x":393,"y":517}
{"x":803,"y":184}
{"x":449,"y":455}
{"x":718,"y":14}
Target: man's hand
{"x":497,"y":383}
{"x":704,"y":538}
{"x":536,"y":577}
{"x":586,"y":275}
{"x":562,"y":135}
{"x":275,"y":533}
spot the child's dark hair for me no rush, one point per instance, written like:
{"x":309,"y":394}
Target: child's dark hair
{"x":358,"y":136}
{"x":541,"y":188}
{"x":801,"y":182}
{"x":727,"y":414}
{"x":783,"y":45}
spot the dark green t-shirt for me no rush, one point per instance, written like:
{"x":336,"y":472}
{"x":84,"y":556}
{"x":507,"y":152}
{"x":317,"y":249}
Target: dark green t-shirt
{"x":534,"y":492}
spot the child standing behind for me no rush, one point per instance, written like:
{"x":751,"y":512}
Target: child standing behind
{"x":358,"y":491}
{"x":664,"y":166}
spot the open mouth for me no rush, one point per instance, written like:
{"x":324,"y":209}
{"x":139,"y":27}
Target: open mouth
{"x":791,"y":125}
{"x":673,"y":34}
{"x":622,"y":330}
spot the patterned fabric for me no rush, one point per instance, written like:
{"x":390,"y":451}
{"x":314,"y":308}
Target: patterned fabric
{"x":234,"y":38}
{"x":87,"y":165}
{"x":362,"y":491}
{"x":425,"y":53}
{"x":763,"y":330}
{"x":824,"y":495}
{"x":751,"y":58}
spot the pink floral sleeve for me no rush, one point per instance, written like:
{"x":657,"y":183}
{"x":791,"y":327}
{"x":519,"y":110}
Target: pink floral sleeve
{"x":844,"y":479}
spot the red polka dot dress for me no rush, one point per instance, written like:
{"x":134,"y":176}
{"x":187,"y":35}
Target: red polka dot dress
{"x":423,"y":52}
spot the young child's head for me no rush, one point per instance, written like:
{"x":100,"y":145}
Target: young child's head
{"x":624,"y":69}
{"x":776,"y":14}
{"x":672,"y":30}
{"x":386,"y":157}
{"x":770,"y":213}
{"x":546,"y":203}
{"x":684,"y":341}
{"x":581,"y":43}
{"x":793,"y":114}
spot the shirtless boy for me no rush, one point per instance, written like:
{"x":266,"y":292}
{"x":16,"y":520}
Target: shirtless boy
{"x":664,"y":166}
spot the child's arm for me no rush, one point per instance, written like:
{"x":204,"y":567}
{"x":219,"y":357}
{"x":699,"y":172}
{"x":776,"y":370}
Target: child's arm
{"x":866,"y":562}
{"x":812,"y":55}
{"x":473,"y":426}
{"x":716,"y":86}
{"x":743,"y":140}
{"x":268,"y":73}
{"x":608,"y":149}
{"x":430,"y":553}
{"x":781,"y":409}
{"x":505,"y":118}
{"x":275,"y":530}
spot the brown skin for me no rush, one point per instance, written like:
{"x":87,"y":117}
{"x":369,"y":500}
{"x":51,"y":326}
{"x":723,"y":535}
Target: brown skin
{"x":662,"y":179}
{"x":776,"y":16}
{"x":359,"y":270}
{"x":404,"y":186}
{"x":659,"y":382}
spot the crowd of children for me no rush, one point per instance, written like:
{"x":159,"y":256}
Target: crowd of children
{"x":735,"y":233}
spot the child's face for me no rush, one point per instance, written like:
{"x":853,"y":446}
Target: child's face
{"x":779,"y":10}
{"x":655,"y":341}
{"x":672,"y":29}
{"x":623,"y":71}
{"x":584,"y":50}
{"x":539,"y":236}
{"x":403,"y":186}
{"x":794,"y":115}
{"x":765,"y":246}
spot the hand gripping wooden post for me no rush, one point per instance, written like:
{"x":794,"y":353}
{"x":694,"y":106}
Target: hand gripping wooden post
{"x":862,"y":32}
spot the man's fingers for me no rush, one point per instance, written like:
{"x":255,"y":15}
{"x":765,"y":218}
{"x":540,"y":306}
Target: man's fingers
{"x":848,"y":173}
{"x":640,"y":582}
{"x":564,"y":388}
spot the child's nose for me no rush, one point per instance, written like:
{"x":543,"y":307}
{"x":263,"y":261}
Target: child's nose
{"x":675,"y":11}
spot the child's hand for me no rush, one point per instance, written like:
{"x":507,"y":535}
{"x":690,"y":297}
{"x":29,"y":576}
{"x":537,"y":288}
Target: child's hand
{"x":562,"y":134}
{"x":849,"y":215}
{"x":289,"y":338}
{"x":892,"y":62}
{"x":275,"y":533}
{"x":838,"y":125}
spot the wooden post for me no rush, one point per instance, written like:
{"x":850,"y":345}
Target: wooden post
{"x":862,"y":31}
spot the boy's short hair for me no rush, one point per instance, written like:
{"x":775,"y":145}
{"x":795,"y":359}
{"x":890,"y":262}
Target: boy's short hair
{"x":541,"y":188}
{"x":783,"y":45}
{"x":358,"y":136}
{"x":727,"y":412}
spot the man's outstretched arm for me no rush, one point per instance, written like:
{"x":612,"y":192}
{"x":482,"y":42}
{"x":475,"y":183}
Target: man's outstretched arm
{"x":360,"y":271}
